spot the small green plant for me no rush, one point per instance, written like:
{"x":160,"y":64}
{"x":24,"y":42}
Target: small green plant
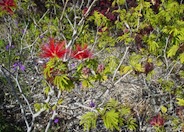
{"x":114,"y":116}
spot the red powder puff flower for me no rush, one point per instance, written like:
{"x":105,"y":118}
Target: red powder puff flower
{"x":53,"y":49}
{"x":7,"y":5}
{"x":157,"y":121}
{"x":81,"y":52}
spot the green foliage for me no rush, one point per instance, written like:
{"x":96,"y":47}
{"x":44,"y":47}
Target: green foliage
{"x":125,"y":69}
{"x":181,"y":57}
{"x":163,"y":109}
{"x":99,"y":19}
{"x":162,"y":42}
{"x":131,"y":124}
{"x":63,"y":82}
{"x":167,"y":85}
{"x":112,"y":103}
{"x":105,"y":41}
{"x":49,"y":66}
{"x":1,"y":43}
{"x":112,"y":63}
{"x":114,"y":115}
{"x":119,"y":2}
{"x":88,"y":120}
{"x":110,"y":119}
{"x":54,"y":66}
{"x":180,"y":102}
{"x":46,"y":91}
{"x":172,"y":51}
{"x":38,"y":106}
{"x":135,"y":62}
{"x":153,"y":45}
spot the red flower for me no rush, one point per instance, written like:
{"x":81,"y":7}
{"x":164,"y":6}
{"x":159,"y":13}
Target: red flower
{"x":157,"y":121}
{"x":7,"y":5}
{"x":52,"y":49}
{"x":81,"y":52}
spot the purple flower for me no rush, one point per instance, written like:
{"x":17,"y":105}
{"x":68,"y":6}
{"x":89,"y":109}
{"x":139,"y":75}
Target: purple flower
{"x":41,"y":36}
{"x":22,"y":67}
{"x":23,"y":31}
{"x":73,"y":65}
{"x":9,"y":46}
{"x":18,"y":65}
{"x":56,"y":120}
{"x":92,"y":104}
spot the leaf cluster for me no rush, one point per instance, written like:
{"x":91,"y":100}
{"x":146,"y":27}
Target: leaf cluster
{"x":114,"y":116}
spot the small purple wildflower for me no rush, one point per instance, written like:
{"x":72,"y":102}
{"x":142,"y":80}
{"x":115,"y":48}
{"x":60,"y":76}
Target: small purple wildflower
{"x":22,"y":67}
{"x":80,"y":84}
{"x":23,"y":31}
{"x":56,"y":120}
{"x":73,"y":65}
{"x":41,"y":36}
{"x":9,"y":46}
{"x":18,"y":65}
{"x":92,"y":104}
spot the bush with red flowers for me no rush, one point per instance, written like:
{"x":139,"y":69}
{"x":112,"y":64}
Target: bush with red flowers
{"x":91,"y":65}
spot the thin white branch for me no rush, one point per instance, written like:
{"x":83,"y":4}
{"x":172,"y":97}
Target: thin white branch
{"x":123,"y":77}
{"x":53,"y":114}
{"x":62,"y":14}
{"x":165,"y":55}
{"x":87,"y":12}
{"x":85,"y":107}
{"x":122,"y":59}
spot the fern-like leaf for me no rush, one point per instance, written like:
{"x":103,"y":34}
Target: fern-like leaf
{"x":131,"y":124}
{"x":88,"y":120}
{"x":172,"y":51}
{"x":110,"y":120}
{"x":124,"y":111}
{"x":63,"y":82}
{"x":181,"y":57}
{"x":112,"y":103}
{"x":50,"y":64}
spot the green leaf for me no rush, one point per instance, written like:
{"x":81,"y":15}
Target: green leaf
{"x":121,"y":2}
{"x":163,"y":109}
{"x":63,"y":82}
{"x":54,"y":107}
{"x":50,"y":64}
{"x":112,"y":103}
{"x":181,"y":57}
{"x":138,"y":67}
{"x":172,"y":51}
{"x":46,"y":106}
{"x":60,"y":101}
{"x":180,"y":102}
{"x":181,"y":73}
{"x":37,"y":107}
{"x":131,"y":123}
{"x":1,"y":43}
{"x":153,"y":46}
{"x":88,"y":120}
{"x":86,"y":83}
{"x":104,"y":77}
{"x":110,"y":120}
{"x":47,"y":90}
{"x":124,"y":111}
